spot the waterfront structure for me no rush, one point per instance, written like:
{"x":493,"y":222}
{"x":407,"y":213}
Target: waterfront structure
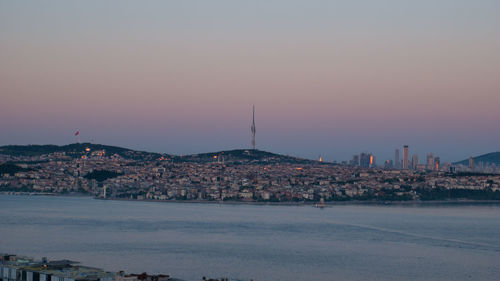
{"x":121,"y":276}
{"x":253,"y":128}
{"x":406,"y":159}
{"x":396,"y":159}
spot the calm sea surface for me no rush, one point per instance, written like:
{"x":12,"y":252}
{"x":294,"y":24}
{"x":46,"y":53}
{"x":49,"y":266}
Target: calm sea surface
{"x":188,"y":241}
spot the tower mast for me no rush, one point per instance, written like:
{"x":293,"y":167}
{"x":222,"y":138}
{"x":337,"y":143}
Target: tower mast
{"x":253,"y":128}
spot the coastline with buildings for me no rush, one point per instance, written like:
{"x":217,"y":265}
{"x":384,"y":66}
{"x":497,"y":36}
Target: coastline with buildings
{"x":246,"y":176}
{"x":249,"y":140}
{"x":325,"y":204}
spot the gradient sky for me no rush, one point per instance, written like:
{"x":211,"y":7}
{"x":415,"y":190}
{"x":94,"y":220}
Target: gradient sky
{"x":330,"y":78}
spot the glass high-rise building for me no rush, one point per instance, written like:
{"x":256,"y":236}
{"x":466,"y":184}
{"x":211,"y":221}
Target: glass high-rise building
{"x":430,"y":161}
{"x":471,"y":163}
{"x":396,"y":159}
{"x":414,"y":161}
{"x":406,"y":158}
{"x":437,"y":163}
{"x":364,"y":160}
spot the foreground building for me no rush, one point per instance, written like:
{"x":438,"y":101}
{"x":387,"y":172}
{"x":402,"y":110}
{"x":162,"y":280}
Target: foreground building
{"x":16,"y":268}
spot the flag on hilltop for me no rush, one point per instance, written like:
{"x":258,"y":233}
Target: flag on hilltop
{"x":77,"y":132}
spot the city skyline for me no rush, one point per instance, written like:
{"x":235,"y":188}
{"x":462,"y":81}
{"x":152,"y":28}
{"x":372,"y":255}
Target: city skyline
{"x":328,"y":78}
{"x":268,"y":140}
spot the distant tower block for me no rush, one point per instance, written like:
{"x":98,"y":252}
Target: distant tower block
{"x":396,"y":159}
{"x":437,"y":163}
{"x":430,"y":161}
{"x":253,"y":128}
{"x":406,"y":156}
{"x":414,"y":161}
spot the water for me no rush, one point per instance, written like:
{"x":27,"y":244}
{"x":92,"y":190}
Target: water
{"x":188,"y":241}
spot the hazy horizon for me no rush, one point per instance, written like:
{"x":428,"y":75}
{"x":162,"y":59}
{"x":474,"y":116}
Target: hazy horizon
{"x":329,"y":78}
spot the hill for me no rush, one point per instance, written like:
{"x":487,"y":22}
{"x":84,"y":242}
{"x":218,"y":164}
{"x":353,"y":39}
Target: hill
{"x":490,"y":158}
{"x":243,"y":156}
{"x":75,"y":150}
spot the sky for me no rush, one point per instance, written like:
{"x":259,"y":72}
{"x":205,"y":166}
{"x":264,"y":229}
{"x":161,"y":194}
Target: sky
{"x":330,"y":78}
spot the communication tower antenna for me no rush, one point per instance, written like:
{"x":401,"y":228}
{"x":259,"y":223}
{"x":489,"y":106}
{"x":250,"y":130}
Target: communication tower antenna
{"x":253,"y":128}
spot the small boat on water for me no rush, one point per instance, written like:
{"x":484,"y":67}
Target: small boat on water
{"x":320,"y":204}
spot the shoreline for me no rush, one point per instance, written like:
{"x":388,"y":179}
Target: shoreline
{"x":327,"y":204}
{"x":257,"y":203}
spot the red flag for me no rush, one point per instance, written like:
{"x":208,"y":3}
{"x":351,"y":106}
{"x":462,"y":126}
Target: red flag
{"x":77,"y":133}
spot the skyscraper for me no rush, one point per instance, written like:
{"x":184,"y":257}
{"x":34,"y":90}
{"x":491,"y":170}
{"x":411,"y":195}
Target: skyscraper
{"x":396,"y":159}
{"x":437,"y":163}
{"x":364,"y":160}
{"x":253,"y":128}
{"x":414,"y":161}
{"x":355,"y":160}
{"x":471,"y":163}
{"x":372,"y":161}
{"x":406,"y":159}
{"x":430,"y":161}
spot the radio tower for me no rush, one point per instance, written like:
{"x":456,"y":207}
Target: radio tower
{"x":253,"y":128}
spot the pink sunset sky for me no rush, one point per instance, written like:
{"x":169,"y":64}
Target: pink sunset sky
{"x":330,"y":78}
